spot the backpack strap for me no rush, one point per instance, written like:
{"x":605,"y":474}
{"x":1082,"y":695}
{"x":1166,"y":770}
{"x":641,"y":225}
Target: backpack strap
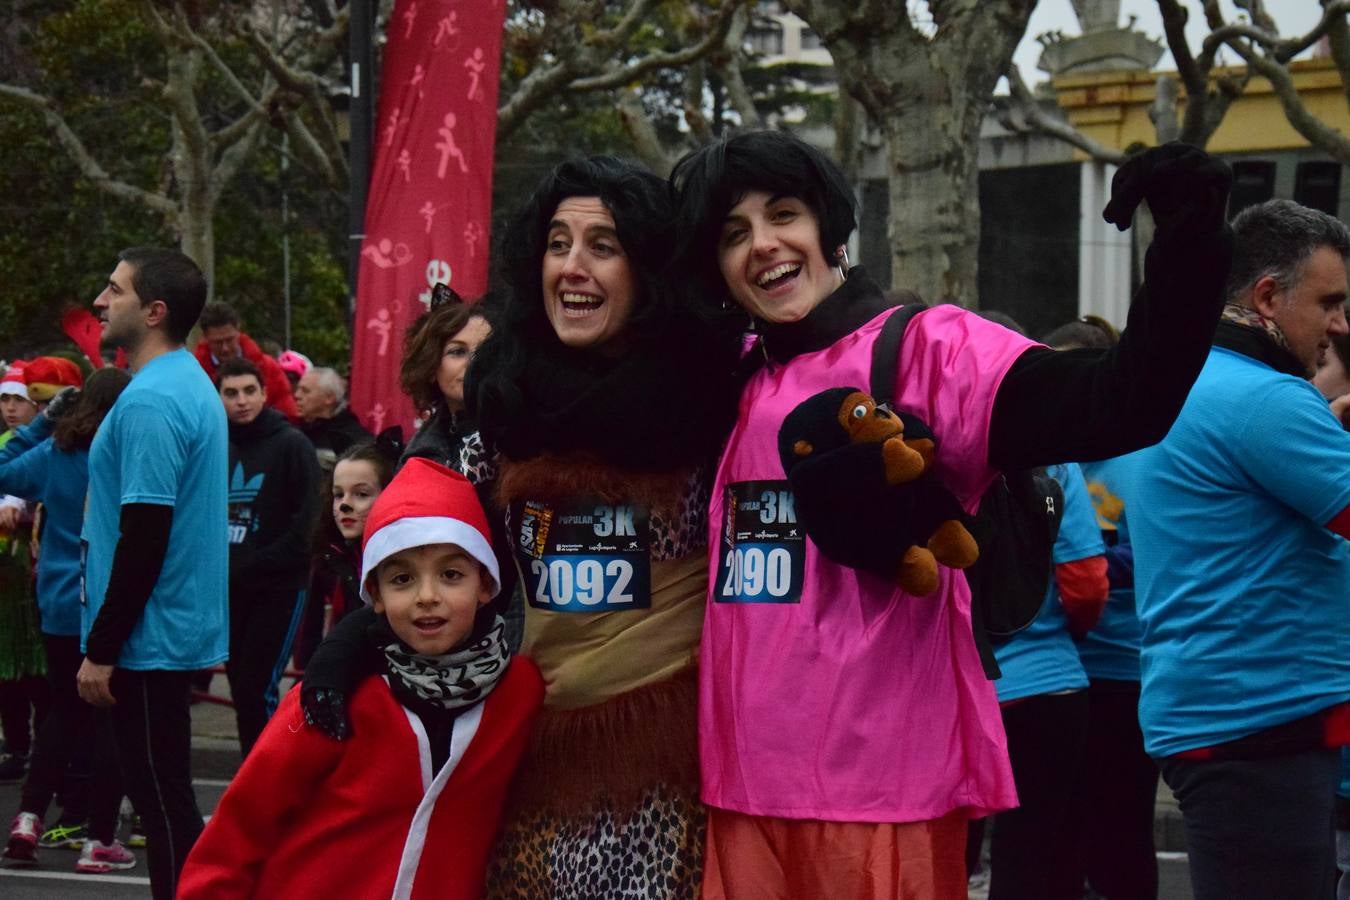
{"x":886,"y":351}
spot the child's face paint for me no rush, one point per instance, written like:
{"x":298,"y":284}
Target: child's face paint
{"x":356,"y":484}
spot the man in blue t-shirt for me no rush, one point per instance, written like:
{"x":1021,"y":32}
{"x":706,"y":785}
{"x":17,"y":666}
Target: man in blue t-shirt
{"x":1238,"y":521}
{"x":155,"y":539}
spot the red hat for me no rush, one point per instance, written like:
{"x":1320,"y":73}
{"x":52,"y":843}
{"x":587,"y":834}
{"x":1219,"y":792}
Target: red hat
{"x":426,"y":503}
{"x":47,"y":375}
{"x":13,"y":381}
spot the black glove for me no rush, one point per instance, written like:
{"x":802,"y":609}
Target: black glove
{"x":338,"y":666}
{"x":1186,"y":189}
{"x":60,"y":404}
{"x":326,"y":710}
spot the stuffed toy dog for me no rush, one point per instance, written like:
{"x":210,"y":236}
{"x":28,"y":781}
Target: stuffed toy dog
{"x":864,"y":492}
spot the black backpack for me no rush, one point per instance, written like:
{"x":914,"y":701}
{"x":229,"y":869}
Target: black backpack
{"x":1016,"y":526}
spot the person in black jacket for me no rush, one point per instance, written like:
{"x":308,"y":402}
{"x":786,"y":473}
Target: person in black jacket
{"x":273,"y":499}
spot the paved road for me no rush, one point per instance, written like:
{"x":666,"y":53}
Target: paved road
{"x":215,"y":758}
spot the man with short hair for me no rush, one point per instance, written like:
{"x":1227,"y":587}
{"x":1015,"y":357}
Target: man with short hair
{"x":222,"y":340}
{"x":156,"y":565}
{"x":1238,"y":520}
{"x":331,"y":427}
{"x":274,"y":499}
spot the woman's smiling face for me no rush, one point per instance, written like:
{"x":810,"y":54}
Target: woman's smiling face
{"x":588,"y":284}
{"x":769,"y":254}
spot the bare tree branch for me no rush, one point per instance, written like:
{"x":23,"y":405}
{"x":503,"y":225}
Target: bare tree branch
{"x":589,"y":66}
{"x":1318,"y":133}
{"x":621,"y":75}
{"x":643,"y":134}
{"x":1193,"y":76}
{"x":728,"y":66}
{"x":1162,"y":112}
{"x":695,"y":80}
{"x":231,"y":159}
{"x":84,"y":160}
{"x":1025,"y":115}
{"x":1338,"y":34}
{"x":1282,"y":49}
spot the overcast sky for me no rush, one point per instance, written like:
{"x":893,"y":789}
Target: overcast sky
{"x":1293,"y":16}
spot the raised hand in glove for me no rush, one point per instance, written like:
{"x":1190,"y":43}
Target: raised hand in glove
{"x":60,"y":404}
{"x":1186,"y":189}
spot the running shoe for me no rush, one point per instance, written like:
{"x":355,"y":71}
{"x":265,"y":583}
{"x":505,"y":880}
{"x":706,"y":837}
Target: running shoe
{"x":23,"y":840}
{"x":98,"y":858}
{"x":136,"y":833}
{"x":69,"y":836}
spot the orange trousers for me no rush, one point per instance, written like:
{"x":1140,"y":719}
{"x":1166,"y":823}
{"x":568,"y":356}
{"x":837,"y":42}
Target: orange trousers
{"x":761,"y":858}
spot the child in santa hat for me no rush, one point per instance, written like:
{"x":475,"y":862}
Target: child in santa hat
{"x":408,"y":806}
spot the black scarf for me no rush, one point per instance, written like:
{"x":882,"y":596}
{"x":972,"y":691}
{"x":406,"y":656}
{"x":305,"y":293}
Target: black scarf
{"x":1246,"y":331}
{"x":667,"y":402}
{"x":853,"y":304}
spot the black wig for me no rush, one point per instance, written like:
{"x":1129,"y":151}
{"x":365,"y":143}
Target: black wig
{"x":710,"y":181}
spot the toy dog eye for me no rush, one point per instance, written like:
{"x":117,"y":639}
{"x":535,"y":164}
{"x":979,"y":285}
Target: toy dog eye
{"x":859,"y":411}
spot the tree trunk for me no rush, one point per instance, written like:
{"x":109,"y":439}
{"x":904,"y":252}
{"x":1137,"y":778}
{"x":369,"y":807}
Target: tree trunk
{"x":934,"y":228}
{"x":197,"y":238}
{"x":928,"y":87}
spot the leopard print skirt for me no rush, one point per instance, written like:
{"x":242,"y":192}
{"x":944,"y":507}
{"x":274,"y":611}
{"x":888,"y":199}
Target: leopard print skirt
{"x":605,"y":804}
{"x":653,"y":851}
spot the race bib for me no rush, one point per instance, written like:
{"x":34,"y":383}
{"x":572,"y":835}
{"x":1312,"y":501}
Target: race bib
{"x":762,"y":554}
{"x":583,"y":557}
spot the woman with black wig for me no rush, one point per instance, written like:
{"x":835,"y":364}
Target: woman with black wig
{"x":847,"y":730}
{"x":601,"y":402}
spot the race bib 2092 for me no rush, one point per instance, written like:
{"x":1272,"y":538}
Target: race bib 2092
{"x":583,"y":557}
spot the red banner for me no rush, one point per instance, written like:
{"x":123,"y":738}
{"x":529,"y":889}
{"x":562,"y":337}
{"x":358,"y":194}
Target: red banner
{"x":430,"y":205}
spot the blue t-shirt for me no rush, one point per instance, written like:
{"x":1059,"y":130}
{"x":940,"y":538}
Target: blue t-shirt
{"x":31,"y":467}
{"x":1042,"y":659}
{"x":1240,"y":587}
{"x":1111,"y":648}
{"x":164,"y":442}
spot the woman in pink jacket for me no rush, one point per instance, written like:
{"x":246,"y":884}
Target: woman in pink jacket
{"x":847,"y":730}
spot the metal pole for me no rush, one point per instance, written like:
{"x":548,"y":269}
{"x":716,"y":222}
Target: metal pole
{"x":360,"y":117}
{"x":286,"y":237}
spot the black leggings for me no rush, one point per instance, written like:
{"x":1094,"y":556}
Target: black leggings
{"x":152,"y":723}
{"x":74,"y":752}
{"x":22,"y":700}
{"x":262,"y":628}
{"x":1030,"y":848}
{"x":1113,"y":805}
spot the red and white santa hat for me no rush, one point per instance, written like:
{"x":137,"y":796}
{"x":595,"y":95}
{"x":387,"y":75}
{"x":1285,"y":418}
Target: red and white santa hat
{"x":13,"y":381}
{"x":426,"y":503}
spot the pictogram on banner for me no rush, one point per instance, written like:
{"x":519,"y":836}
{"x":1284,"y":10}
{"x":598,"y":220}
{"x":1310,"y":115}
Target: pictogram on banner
{"x":430,"y":200}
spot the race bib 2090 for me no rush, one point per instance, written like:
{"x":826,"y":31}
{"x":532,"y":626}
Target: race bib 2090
{"x":762,"y":554}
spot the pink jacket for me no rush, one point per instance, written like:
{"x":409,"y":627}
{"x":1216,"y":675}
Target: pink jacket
{"x":840,"y":697}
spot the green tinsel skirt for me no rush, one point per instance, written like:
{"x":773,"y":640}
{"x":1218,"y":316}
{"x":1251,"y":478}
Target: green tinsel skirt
{"x":21,"y":653}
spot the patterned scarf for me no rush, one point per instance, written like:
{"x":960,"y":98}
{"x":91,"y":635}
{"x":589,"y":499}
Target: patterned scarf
{"x":454,"y":680}
{"x":1250,"y":318}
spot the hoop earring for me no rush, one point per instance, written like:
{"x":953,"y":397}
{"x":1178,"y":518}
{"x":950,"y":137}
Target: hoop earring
{"x":841,"y":262}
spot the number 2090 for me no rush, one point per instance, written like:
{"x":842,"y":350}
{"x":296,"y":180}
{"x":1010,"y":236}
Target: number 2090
{"x":751,"y":572}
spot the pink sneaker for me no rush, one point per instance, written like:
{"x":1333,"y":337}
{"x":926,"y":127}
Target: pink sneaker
{"x":98,"y":858}
{"x":23,"y":840}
